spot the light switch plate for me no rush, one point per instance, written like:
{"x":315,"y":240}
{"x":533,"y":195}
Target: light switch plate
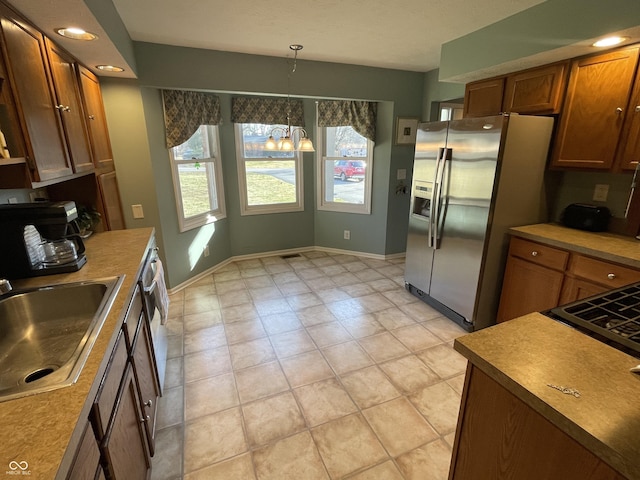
{"x":600,"y":193}
{"x":402,"y":174}
{"x":137,"y":210}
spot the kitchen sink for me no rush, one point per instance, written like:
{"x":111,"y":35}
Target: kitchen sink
{"x":46,"y":333}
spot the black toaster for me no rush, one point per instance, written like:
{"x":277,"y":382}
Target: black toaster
{"x":586,"y":217}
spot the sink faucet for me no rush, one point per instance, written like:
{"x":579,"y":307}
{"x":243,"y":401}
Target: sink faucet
{"x":5,"y":286}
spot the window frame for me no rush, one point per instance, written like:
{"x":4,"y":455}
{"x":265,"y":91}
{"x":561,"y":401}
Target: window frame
{"x":343,"y":207}
{"x":216,"y":189}
{"x":245,"y":208}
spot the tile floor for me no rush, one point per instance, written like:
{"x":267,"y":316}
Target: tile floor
{"x":320,"y":366}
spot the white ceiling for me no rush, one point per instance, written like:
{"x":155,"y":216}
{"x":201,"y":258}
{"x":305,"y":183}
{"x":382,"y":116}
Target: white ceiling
{"x":404,"y":35}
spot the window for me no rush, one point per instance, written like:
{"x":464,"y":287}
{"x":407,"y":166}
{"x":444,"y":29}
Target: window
{"x":345,"y":171}
{"x":270,"y":181}
{"x":197,"y":179}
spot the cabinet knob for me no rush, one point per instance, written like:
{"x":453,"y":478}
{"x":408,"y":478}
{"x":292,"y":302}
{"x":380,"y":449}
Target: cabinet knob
{"x":145,"y":419}
{"x":148,"y":403}
{"x":92,"y":117}
{"x":637,"y":109}
{"x":618,"y":110}
{"x":611,"y":276}
{"x":534,"y":254}
{"x":63,"y":108}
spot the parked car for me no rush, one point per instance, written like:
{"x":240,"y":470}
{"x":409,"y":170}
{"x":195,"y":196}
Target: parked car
{"x":345,"y":169}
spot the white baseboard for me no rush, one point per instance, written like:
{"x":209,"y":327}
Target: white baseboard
{"x":278,"y":253}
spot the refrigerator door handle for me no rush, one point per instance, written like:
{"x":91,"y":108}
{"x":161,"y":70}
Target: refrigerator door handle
{"x":435,"y":219}
{"x":432,"y":200}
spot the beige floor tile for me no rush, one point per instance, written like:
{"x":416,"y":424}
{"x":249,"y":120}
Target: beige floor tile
{"x":346,"y":357}
{"x":457,"y":383}
{"x":210,"y":395}
{"x":355,"y":266}
{"x":310,"y":273}
{"x":383,"y":347}
{"x":294,"y":288}
{"x":175,"y":325}
{"x":237,"y":468}
{"x":174,"y":373}
{"x":368,"y":274}
{"x":237,"y":313}
{"x":320,"y":283}
{"x":333,"y":269}
{"x":329,"y":334}
{"x":231,"y":285}
{"x":369,"y":387}
{"x":276,"y":269}
{"x":409,"y":374}
{"x":262,"y":281}
{"x":347,"y":445}
{"x":443,"y":360}
{"x":440,"y":404}
{"x":294,"y":458}
{"x":204,"y":339}
{"x":323,"y":260}
{"x":292,"y":343}
{"x":400,"y":297}
{"x":251,"y":353}
{"x":170,"y":408}
{"x":213,"y":438}
{"x":444,"y":328}
{"x":344,"y":309}
{"x":358,"y":289}
{"x":375,"y":302}
{"x":234,"y":298}
{"x":323,"y":401}
{"x":284,"y":277}
{"x":333,"y":295}
{"x":198,"y":321}
{"x":315,"y":315}
{"x":306,"y":368}
{"x":391,"y":270}
{"x":244,"y":331}
{"x":253,"y":271}
{"x":201,"y":304}
{"x":345,"y":279}
{"x":415,"y":337}
{"x":281,"y":322}
{"x":393,"y":318}
{"x":272,"y":306}
{"x":167,"y":466}
{"x":429,"y":461}
{"x":362,"y":325}
{"x":272,"y":418}
{"x":382,"y":285}
{"x":265,"y":293}
{"x":450,"y":439}
{"x":399,"y":426}
{"x":304,"y":300}
{"x":261,"y":381}
{"x":207,"y":363}
{"x":420,"y":311}
{"x":203,"y":288}
{"x":384,"y":471}
{"x":175,"y":347}
{"x":227,"y":275}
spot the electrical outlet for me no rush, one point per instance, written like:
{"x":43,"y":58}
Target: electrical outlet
{"x":13,"y":200}
{"x":401,"y":174}
{"x":600,"y":193}
{"x":137,"y":210}
{"x":206,"y":250}
{"x":347,"y":234}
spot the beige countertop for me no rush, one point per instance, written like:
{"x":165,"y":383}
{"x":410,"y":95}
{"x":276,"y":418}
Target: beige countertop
{"x":37,"y":429}
{"x":526,"y":354}
{"x":608,"y":246}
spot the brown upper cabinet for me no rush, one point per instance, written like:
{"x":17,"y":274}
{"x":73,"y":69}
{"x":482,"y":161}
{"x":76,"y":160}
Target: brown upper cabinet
{"x":534,"y":91}
{"x":595,"y":110}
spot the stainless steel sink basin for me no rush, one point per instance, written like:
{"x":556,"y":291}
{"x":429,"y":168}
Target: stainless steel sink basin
{"x":46,"y":333}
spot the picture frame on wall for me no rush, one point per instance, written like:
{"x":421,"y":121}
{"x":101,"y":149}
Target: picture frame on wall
{"x":406,"y":128}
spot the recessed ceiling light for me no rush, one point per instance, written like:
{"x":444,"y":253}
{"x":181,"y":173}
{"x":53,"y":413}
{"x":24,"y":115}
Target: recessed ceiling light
{"x":109,"y":68}
{"x":610,"y":41}
{"x":76,"y":33}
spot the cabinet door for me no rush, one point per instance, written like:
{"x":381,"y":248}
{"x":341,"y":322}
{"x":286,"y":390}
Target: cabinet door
{"x":110,"y":195}
{"x":483,"y":98}
{"x":124,"y":446}
{"x":594,"y":109}
{"x":69,"y":107}
{"x":87,"y":458}
{"x":32,"y":84}
{"x":575,"y":289}
{"x":96,"y":120}
{"x":527,"y":288}
{"x":144,"y":368}
{"x":536,"y":91}
{"x":629,"y":153}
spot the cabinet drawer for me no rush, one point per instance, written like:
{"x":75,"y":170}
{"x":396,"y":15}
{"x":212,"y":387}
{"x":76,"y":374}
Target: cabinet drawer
{"x":539,"y":254}
{"x":108,"y":391}
{"x":603,"y":273}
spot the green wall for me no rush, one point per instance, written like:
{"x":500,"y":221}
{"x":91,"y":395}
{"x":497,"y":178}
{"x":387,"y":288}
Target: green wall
{"x":134,"y":114}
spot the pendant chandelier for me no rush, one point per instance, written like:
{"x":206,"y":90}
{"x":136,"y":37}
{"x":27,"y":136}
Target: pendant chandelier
{"x":286,"y":138}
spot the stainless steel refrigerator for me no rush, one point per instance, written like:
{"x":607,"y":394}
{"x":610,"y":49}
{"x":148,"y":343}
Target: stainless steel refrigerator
{"x":472,"y":180}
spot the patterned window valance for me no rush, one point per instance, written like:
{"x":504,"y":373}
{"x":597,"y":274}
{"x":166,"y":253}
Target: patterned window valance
{"x":357,"y":114}
{"x":269,"y":111}
{"x":185,"y":111}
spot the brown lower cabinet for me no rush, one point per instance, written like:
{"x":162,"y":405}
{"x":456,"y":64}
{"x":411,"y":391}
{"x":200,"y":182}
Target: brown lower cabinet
{"x":500,"y":436}
{"x":539,"y":277}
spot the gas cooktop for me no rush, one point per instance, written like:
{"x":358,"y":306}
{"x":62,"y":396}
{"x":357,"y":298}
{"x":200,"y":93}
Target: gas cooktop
{"x":612,"y":317}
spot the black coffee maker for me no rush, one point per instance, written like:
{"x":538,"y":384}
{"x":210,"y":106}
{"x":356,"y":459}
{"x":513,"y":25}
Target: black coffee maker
{"x":39,"y":239}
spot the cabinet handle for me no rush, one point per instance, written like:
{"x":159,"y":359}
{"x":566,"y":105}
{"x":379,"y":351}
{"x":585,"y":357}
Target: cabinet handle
{"x":637,"y":109}
{"x":145,"y":419}
{"x":534,"y":254}
{"x":63,"y":108}
{"x":148,"y":403}
{"x":618,"y":110}
{"x":611,"y":276}
{"x":92,"y":117}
